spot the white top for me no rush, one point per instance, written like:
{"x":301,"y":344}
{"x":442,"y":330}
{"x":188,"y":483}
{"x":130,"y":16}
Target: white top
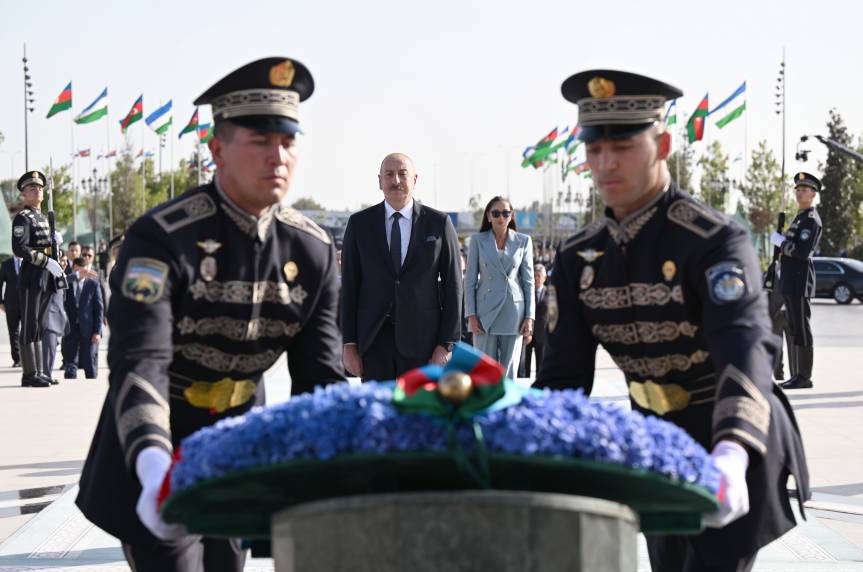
{"x":405,"y":224}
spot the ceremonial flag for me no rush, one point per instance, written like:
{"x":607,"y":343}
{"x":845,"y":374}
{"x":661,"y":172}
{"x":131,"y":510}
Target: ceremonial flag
{"x":192,"y":126}
{"x":205,"y":132}
{"x":140,"y":153}
{"x":695,"y":125}
{"x":535,"y":155}
{"x":671,"y":113}
{"x":736,"y":112}
{"x":95,"y":111}
{"x":738,"y":92}
{"x":732,"y":116}
{"x":83,"y":153}
{"x":580,"y":168}
{"x":111,"y":153}
{"x":64,"y":101}
{"x":161,"y":119}
{"x":148,"y":154}
{"x":135,"y":114}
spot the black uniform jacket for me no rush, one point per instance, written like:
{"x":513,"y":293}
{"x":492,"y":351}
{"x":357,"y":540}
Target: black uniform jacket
{"x":31,"y":242}
{"x":796,"y":270}
{"x":204,"y":299}
{"x":423,"y":299}
{"x":673,"y":293}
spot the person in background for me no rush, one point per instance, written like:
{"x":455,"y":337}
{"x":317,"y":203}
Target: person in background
{"x":9,"y":271}
{"x":55,"y":326}
{"x":85,"y":310}
{"x":534,"y":344}
{"x":73,"y":251}
{"x":499,"y":286}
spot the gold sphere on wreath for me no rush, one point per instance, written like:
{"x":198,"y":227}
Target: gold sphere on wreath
{"x":455,"y":387}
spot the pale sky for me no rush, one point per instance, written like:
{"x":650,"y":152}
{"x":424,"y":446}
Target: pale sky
{"x":462,"y":87}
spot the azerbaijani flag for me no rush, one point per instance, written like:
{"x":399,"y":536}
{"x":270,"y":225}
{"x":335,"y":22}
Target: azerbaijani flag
{"x":95,"y":111}
{"x":191,"y":126}
{"x":580,"y":168}
{"x":64,"y":101}
{"x":83,"y":153}
{"x":205,"y":132}
{"x":135,"y":114}
{"x":695,"y":125}
{"x":111,"y":153}
{"x":535,"y":155}
{"x":161,"y":119}
{"x":671,"y":113}
{"x":736,"y":112}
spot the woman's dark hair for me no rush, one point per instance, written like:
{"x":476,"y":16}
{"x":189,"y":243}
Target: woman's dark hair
{"x":486,"y":225}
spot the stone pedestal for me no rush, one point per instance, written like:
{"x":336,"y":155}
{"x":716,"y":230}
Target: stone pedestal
{"x":456,"y":531}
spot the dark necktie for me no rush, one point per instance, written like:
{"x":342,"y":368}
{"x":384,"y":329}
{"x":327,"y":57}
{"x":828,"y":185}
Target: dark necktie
{"x":396,"y":243}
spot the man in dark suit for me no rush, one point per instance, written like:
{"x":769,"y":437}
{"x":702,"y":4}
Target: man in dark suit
{"x":85,"y":308}
{"x":537,"y":341}
{"x":401,"y":281}
{"x":9,"y":287}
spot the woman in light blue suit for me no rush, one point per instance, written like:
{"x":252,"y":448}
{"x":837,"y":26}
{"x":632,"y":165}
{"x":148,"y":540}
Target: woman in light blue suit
{"x":499,"y":286}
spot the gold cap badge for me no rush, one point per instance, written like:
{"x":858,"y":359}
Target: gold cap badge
{"x":600,"y":87}
{"x":282,"y":75}
{"x":291,"y":270}
{"x":669,"y":269}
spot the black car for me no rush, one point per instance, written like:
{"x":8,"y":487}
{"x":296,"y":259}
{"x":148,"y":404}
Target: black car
{"x":838,"y":278}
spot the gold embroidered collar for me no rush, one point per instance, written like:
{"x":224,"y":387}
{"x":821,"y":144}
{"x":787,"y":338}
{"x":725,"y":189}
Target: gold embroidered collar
{"x":248,"y":223}
{"x":626,"y":230}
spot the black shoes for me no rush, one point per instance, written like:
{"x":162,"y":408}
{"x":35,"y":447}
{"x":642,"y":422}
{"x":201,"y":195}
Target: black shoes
{"x":34,"y":380}
{"x":797,"y":382}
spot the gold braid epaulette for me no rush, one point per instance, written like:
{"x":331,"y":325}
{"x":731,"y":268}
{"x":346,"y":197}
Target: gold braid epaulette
{"x":587,"y":232}
{"x":293,"y":217}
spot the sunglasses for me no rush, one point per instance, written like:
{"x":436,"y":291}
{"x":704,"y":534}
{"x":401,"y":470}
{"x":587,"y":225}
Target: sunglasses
{"x":497,"y":214}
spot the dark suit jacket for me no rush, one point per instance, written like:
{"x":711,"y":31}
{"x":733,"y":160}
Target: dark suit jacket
{"x":87,"y":313}
{"x":425,"y":297}
{"x":9,"y":285}
{"x":541,"y":313}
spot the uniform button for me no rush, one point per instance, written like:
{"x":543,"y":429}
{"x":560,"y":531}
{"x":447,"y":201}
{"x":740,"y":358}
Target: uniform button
{"x":397,"y":282}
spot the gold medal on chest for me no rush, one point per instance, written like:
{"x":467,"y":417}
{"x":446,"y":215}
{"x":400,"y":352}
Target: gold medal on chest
{"x":669,"y":270}
{"x":209,"y":268}
{"x":291,"y":270}
{"x":587,"y":275}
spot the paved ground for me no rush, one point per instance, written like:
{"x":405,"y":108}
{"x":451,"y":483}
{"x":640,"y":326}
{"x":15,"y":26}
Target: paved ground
{"x":44,"y":435}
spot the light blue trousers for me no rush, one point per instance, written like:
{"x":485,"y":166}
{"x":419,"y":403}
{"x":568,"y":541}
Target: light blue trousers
{"x":504,"y":349}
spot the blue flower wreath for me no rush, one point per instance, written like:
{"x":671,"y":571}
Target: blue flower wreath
{"x":341,"y":419}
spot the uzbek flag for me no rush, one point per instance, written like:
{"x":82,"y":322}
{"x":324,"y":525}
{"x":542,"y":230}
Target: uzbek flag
{"x":64,"y":101}
{"x":205,"y":132}
{"x":135,"y":114}
{"x":671,"y":113}
{"x":191,"y":126}
{"x":95,"y":111}
{"x":736,"y":112}
{"x":161,"y":119}
{"x":695,"y":125}
{"x":535,"y":155}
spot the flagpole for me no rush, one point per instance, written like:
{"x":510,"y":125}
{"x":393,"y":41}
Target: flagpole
{"x":74,"y":186}
{"x":143,"y":163}
{"x":171,"y":153}
{"x":108,"y":176}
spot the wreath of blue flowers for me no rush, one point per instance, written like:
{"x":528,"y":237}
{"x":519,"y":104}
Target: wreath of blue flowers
{"x":341,"y":419}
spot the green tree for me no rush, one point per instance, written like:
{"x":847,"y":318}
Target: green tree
{"x":126,"y":191}
{"x":715,"y":182}
{"x":307,"y":204}
{"x":838,"y":210}
{"x":857,"y":199}
{"x":680,"y":166}
{"x":762,"y":190}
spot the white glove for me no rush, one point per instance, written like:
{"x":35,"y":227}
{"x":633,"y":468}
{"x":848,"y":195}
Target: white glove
{"x":777,"y":239}
{"x":152,"y":465}
{"x":54,"y":268}
{"x":732,"y":461}
{"x":58,"y":238}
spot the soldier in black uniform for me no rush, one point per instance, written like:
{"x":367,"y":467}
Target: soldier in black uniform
{"x":209,"y":290}
{"x":797,"y":277}
{"x":672,"y":290}
{"x":31,"y":241}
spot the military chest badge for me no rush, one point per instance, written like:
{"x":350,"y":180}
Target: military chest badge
{"x":144,"y":280}
{"x":209,"y":268}
{"x":587,"y":275}
{"x":291,"y":270}
{"x":726,"y":282}
{"x":669,"y":270}
{"x":590,"y":254}
{"x":552,"y":313}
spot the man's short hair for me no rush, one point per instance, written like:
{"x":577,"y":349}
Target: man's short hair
{"x":540,"y":268}
{"x":79,"y":261}
{"x":224,"y":130}
{"x":74,"y":243}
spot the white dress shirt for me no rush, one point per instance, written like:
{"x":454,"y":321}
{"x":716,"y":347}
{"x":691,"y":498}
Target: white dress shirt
{"x":405,"y":224}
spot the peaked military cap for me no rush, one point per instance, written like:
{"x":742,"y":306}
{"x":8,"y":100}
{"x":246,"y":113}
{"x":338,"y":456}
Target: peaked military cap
{"x":264,"y":95}
{"x":802,"y":179}
{"x":30,"y":178}
{"x":616,"y":104}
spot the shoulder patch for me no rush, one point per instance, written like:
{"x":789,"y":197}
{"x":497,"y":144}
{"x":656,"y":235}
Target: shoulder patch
{"x":812,"y":214}
{"x":293,"y":217}
{"x":18,"y":231}
{"x":586,"y":233}
{"x":144,"y":280}
{"x":726,"y":282}
{"x":695,"y":217}
{"x":185,"y":212}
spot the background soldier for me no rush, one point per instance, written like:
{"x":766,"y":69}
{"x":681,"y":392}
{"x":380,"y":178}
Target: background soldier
{"x":208,"y":291}
{"x":797,"y":277}
{"x":31,"y":241}
{"x":672,"y":290}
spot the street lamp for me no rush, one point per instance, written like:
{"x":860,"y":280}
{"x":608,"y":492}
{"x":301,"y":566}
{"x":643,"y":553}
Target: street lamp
{"x":28,"y":108}
{"x":780,"y":109}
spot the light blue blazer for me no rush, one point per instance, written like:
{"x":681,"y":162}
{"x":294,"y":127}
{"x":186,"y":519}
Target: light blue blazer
{"x":499,"y":291}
